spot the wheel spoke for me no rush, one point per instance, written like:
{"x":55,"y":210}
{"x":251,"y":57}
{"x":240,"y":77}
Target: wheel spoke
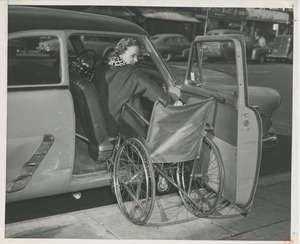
{"x":134,"y":182}
{"x":133,"y":197}
{"x":202,"y":180}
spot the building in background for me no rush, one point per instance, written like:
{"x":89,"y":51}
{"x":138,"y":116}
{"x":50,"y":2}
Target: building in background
{"x":191,"y":22}
{"x":222,"y":18}
{"x":121,"y":12}
{"x":268,"y":21}
{"x":162,"y":20}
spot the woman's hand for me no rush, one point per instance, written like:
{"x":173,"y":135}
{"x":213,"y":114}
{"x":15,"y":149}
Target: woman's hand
{"x":178,"y":103}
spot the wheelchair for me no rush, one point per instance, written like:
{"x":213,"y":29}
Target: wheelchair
{"x":172,"y":149}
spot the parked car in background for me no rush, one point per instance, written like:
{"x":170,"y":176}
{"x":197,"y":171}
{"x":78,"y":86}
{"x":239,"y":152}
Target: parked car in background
{"x":103,"y":46}
{"x":170,"y":45}
{"x":222,"y":50}
{"x":281,"y":48}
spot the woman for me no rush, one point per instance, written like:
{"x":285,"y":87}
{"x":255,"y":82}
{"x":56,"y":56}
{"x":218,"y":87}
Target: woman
{"x":126,"y":82}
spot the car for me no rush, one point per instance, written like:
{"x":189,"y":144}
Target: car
{"x":281,"y":48}
{"x":217,"y":50}
{"x":59,"y":138}
{"x":170,"y":46}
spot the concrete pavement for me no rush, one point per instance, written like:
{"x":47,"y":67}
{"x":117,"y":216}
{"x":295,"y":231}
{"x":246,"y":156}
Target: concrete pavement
{"x":269,"y":219}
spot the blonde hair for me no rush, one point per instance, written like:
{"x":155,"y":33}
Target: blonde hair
{"x":123,"y":45}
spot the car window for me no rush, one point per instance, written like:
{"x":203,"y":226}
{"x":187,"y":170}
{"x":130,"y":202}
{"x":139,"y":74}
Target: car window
{"x":33,"y":61}
{"x":102,"y":45}
{"x":96,"y":38}
{"x":167,"y":40}
{"x":175,"y":40}
{"x":183,"y":40}
{"x":213,"y":67}
{"x":105,"y":45}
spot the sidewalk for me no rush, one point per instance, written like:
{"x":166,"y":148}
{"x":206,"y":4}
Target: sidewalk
{"x":269,"y":220}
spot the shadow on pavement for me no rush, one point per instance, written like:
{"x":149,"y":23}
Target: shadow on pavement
{"x":277,"y":159}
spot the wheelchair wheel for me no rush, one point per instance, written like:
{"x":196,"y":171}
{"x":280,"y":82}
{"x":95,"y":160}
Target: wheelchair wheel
{"x":134,"y":182}
{"x":202,"y":180}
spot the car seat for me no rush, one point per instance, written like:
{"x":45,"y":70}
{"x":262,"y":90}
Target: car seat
{"x":89,"y":112}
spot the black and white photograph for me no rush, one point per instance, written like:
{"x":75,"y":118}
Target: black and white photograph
{"x":149,"y":121}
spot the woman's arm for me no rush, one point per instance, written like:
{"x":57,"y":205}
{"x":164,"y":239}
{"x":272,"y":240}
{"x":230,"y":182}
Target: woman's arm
{"x":146,"y":87}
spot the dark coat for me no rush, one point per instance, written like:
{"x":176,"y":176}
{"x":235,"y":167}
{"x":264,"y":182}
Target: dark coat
{"x":127,"y":84}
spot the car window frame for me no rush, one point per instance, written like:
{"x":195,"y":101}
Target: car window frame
{"x":240,"y":64}
{"x":60,"y":35}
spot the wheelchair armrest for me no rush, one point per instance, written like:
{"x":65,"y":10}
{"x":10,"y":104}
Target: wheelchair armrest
{"x":130,"y":109}
{"x":132,"y":124}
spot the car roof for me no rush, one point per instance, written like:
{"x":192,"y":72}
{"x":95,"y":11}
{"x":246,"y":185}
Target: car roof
{"x":168,"y":35}
{"x":22,"y":18}
{"x":225,"y":31}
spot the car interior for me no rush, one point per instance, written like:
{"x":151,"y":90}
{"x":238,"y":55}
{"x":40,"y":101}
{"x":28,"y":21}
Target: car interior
{"x":95,"y":127}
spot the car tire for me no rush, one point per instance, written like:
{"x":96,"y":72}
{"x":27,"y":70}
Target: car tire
{"x":261,"y":59}
{"x":167,"y":56}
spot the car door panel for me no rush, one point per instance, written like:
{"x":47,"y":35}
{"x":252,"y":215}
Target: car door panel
{"x":25,"y":131}
{"x":40,"y":130}
{"x":223,"y":120}
{"x":236,"y":127}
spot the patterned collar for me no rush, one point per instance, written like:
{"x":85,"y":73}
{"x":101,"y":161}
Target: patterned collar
{"x":116,"y":62}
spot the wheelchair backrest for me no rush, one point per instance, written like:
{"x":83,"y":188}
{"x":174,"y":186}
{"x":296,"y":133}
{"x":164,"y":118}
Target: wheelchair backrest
{"x":175,"y":132}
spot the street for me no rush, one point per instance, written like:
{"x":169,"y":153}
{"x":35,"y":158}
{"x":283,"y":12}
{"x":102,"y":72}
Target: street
{"x":275,"y":160}
{"x":278,"y":76}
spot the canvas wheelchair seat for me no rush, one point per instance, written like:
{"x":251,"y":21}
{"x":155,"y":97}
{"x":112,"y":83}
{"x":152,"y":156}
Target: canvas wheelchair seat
{"x":173,"y":133}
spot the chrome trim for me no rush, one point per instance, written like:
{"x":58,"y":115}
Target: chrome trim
{"x":83,"y":138}
{"x":33,"y":163}
{"x":271,"y":138}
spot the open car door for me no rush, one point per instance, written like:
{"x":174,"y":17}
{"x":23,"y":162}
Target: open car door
{"x":40,"y":116}
{"x":233,"y":125}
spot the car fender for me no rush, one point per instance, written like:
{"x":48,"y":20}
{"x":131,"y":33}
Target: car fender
{"x":267,"y":99}
{"x":163,"y":49}
{"x":258,"y":51}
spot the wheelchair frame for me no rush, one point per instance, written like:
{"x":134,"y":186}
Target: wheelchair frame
{"x":200,"y":182}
